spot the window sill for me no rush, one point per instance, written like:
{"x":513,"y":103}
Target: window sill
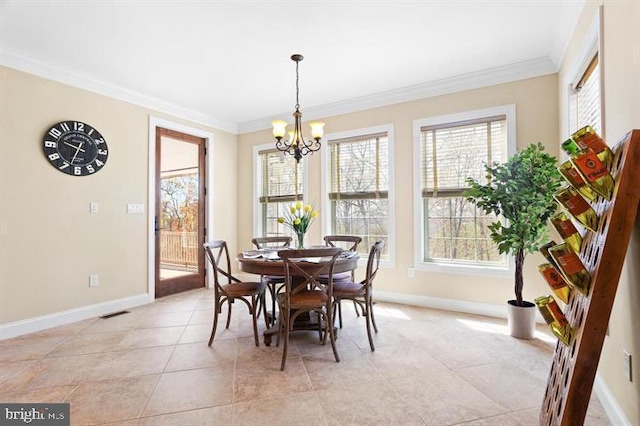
{"x":464,"y":269}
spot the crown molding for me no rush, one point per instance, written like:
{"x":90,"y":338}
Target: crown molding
{"x":71,"y":78}
{"x":489,"y":77}
{"x":492,"y":76}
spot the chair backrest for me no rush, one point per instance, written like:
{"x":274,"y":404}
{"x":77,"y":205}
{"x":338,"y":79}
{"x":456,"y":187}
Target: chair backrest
{"x":298,"y":263}
{"x":271,"y":242}
{"x":373,"y":264}
{"x":218,"y":254}
{"x":346,"y":242}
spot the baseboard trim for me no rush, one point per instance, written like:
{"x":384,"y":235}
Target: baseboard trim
{"x":607,"y":400}
{"x":486,"y":309}
{"x":30,"y":325}
{"x":444,"y":304}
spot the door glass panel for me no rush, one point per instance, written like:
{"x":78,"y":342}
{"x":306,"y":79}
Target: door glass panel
{"x":179,"y":183}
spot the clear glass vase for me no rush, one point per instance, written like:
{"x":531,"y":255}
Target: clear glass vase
{"x":300,"y":236}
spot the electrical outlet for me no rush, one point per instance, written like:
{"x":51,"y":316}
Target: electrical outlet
{"x":94,"y":281}
{"x":411,"y":272}
{"x":93,"y":207}
{"x":628,"y":371}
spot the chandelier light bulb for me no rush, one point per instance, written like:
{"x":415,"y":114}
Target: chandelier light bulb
{"x":317,"y":130}
{"x":279,"y":128}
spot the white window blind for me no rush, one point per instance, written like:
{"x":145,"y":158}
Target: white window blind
{"x":358,"y":167}
{"x":587,"y":98}
{"x":452,"y":152}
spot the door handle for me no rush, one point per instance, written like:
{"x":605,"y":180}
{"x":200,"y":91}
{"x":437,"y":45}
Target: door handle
{"x":156,"y":227}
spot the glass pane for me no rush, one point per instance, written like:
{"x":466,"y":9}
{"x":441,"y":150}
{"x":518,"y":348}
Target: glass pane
{"x":271,"y":226}
{"x":179,"y":200}
{"x":457,"y":231}
{"x":366,"y":218}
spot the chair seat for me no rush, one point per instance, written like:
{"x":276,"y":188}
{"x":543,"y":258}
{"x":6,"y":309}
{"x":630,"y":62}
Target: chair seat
{"x":244,"y":288}
{"x":307,"y":298}
{"x":348,"y":289}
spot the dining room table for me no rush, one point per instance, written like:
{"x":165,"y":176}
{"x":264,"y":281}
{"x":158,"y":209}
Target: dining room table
{"x":267,"y":262}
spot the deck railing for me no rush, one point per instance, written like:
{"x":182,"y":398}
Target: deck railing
{"x":178,"y":248}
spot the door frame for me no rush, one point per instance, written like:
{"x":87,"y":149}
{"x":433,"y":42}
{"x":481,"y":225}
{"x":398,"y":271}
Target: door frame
{"x":188,"y":281}
{"x":151,"y":192}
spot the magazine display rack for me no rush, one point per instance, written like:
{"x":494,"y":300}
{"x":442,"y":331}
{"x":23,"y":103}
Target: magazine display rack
{"x":603,"y":252}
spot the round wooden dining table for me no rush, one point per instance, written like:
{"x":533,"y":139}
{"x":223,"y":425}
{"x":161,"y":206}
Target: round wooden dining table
{"x":262,"y":266}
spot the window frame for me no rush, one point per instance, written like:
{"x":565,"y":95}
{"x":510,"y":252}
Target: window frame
{"x":257,"y":185}
{"x":509,"y":111}
{"x":591,"y":47}
{"x":389,"y":262}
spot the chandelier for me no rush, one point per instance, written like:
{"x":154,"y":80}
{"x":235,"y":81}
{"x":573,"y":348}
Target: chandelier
{"x":295,"y":144}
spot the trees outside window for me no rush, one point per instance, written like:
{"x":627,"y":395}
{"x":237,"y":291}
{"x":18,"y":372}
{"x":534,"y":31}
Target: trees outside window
{"x":179,"y":200}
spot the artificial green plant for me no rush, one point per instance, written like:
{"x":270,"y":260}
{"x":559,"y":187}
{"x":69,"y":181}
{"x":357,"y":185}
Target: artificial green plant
{"x":521,"y":191}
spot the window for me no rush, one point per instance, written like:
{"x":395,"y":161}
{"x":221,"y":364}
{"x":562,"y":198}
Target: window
{"x":585,"y":99}
{"x":450,"y":149}
{"x":585,"y":83}
{"x":279,"y":183}
{"x":358,"y":171}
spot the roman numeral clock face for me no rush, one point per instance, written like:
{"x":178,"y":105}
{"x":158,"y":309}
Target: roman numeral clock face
{"x":75,"y":148}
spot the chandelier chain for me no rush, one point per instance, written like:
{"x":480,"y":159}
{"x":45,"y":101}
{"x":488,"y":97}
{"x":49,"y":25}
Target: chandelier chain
{"x":297,"y":86}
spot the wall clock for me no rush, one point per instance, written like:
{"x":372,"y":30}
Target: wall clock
{"x":75,"y":148}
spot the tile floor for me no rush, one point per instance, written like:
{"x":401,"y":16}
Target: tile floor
{"x":152,"y":366}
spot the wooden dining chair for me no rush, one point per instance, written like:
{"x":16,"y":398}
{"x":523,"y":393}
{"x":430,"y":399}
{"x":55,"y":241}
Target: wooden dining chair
{"x":272,"y":281}
{"x":345,"y":242}
{"x":304,"y":293}
{"x":361,"y":292}
{"x":228,"y":288}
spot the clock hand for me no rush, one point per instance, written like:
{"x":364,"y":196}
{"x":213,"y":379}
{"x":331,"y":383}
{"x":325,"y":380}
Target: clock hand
{"x":78,"y":149}
{"x":73,"y":146}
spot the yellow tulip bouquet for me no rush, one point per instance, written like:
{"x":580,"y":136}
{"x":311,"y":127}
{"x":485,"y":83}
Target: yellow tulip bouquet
{"x":299,"y":218}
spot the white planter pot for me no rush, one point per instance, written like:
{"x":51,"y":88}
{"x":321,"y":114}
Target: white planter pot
{"x":521,"y":320}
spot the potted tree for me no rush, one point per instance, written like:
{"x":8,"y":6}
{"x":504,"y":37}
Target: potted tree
{"x":521,"y":191}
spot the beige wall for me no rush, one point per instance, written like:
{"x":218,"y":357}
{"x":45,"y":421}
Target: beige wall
{"x":50,"y":243}
{"x":621,"y":70}
{"x":537,"y":120}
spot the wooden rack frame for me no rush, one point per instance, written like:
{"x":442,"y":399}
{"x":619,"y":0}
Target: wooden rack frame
{"x":603,"y":252}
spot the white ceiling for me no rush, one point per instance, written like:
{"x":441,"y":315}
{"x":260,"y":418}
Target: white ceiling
{"x":227,"y":63}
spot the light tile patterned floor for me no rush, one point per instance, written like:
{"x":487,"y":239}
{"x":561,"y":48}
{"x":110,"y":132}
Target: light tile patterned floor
{"x":152,"y":366}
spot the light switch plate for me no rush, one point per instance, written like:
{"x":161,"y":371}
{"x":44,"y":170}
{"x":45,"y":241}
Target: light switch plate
{"x":94,"y":280}
{"x":628,"y":370}
{"x":135,"y":208}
